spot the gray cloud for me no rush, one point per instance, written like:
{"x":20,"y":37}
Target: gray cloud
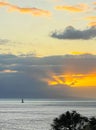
{"x":73,"y":34}
{"x":4,"y":41}
{"x":26,"y":82}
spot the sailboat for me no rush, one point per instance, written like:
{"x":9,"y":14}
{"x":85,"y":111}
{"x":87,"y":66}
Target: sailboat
{"x":22,"y":101}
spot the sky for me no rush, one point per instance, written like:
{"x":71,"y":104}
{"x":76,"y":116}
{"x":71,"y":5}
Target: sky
{"x":48,"y":49}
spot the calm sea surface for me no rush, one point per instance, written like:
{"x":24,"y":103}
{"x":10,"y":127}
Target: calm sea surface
{"x":38,"y":114}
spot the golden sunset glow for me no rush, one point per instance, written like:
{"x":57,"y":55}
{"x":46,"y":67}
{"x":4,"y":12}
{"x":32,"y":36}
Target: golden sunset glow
{"x":72,"y":80}
{"x":78,"y":53}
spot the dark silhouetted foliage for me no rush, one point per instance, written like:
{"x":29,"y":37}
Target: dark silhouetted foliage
{"x":73,"y":121}
{"x":92,"y":123}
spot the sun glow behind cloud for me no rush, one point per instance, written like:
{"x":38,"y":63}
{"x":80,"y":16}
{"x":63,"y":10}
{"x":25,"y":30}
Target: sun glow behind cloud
{"x":71,"y":79}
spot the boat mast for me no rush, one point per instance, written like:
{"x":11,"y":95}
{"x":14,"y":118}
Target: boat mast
{"x":22,"y":101}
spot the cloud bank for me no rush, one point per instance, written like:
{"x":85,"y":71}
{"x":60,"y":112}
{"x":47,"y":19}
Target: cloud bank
{"x":72,"y":33}
{"x":47,"y":77}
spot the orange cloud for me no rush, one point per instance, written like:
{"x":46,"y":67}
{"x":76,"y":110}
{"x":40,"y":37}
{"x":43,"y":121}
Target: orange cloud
{"x":93,"y":19}
{"x":75,"y":8}
{"x":33,"y":11}
{"x":3,"y":4}
{"x":94,"y":3}
{"x":92,"y":24}
{"x":71,"y":79}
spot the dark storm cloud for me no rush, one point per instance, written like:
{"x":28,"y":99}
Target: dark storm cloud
{"x":72,"y":33}
{"x":34,"y":65}
{"x":26,"y":82}
{"x":27,"y":63}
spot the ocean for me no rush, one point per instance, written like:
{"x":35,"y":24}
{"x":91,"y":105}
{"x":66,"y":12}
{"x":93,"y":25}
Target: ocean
{"x":39,"y":114}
